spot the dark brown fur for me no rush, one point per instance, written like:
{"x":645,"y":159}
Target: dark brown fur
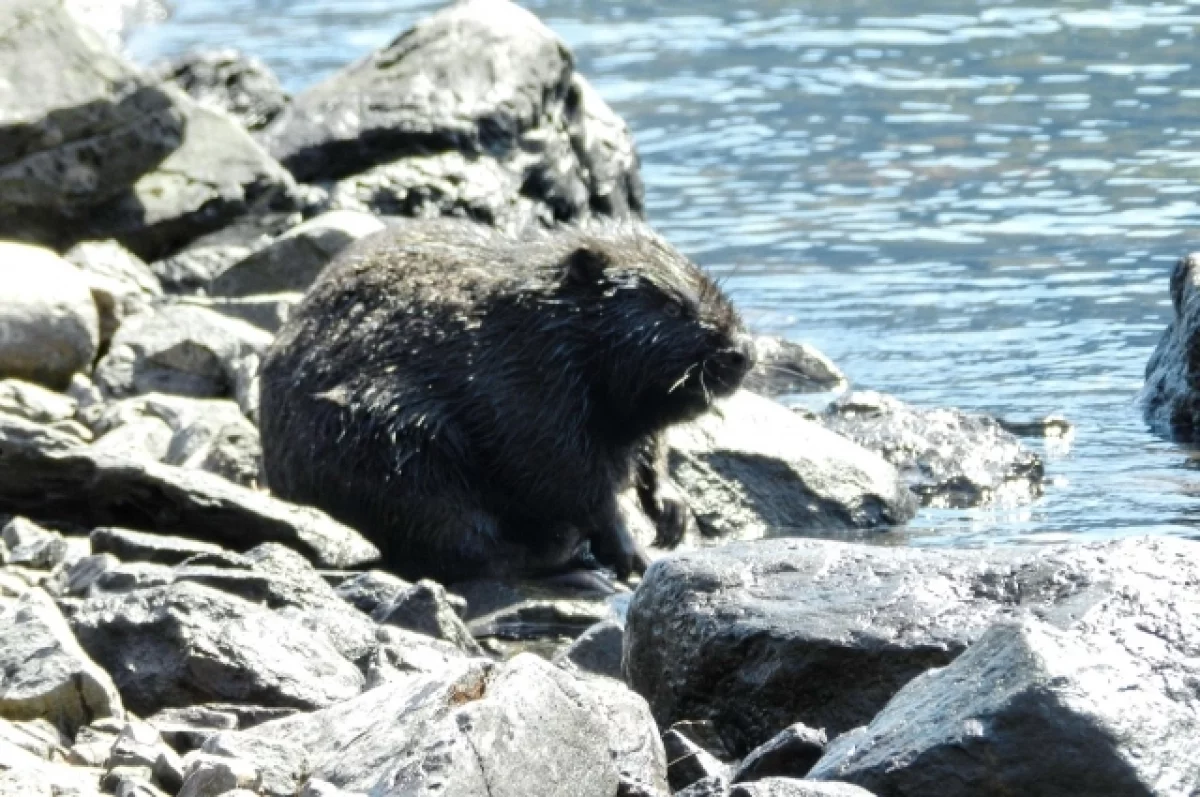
{"x":474,"y":404}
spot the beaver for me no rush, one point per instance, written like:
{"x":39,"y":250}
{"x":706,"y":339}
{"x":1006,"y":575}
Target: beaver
{"x":475,"y":403}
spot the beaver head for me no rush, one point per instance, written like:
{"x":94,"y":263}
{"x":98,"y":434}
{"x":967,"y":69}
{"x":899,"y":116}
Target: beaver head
{"x":662,"y":341}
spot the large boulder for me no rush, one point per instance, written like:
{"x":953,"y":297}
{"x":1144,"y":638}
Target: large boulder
{"x":947,"y":456}
{"x":49,"y":328}
{"x":90,"y":148}
{"x":240,"y":85}
{"x":757,"y":637}
{"x":1171,"y":396}
{"x":47,"y":474}
{"x":753,"y":467}
{"x":513,"y":107}
{"x":1107,"y":708}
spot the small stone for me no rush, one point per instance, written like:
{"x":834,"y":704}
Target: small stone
{"x":689,"y":763}
{"x":30,"y":545}
{"x":211,"y":776}
{"x":597,"y":651}
{"x":34,"y":402}
{"x":240,"y":85}
{"x":424,"y":608}
{"x":141,"y":546}
{"x":372,"y":589}
{"x":790,"y":754}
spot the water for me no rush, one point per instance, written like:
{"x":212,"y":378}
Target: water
{"x":967,"y":204}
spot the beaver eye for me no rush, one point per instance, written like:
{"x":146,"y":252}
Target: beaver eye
{"x":673,"y":309}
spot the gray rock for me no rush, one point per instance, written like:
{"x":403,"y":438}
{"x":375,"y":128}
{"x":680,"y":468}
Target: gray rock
{"x":242,"y":86}
{"x":211,"y":776}
{"x":140,"y":747}
{"x":507,"y":134}
{"x":292,"y":261}
{"x":49,"y":329}
{"x":225,"y":443}
{"x":424,"y":608}
{"x":947,"y":456}
{"x":43,"y":671}
{"x":45,"y":475}
{"x":189,"y":727}
{"x":372,"y":589}
{"x":193,"y":268}
{"x":1029,"y":709}
{"x":789,"y":754}
{"x":121,"y":283}
{"x":688,"y":763}
{"x":266,"y":311}
{"x":184,"y":644}
{"x":40,"y":737}
{"x":1171,"y":396}
{"x":783,"y":366}
{"x":521,"y":610}
{"x":34,"y":403}
{"x":142,"y":438}
{"x":93,"y":150}
{"x":30,"y":545}
{"x":23,"y":774}
{"x":87,"y":571}
{"x":140,"y":546}
{"x":184,"y":350}
{"x":475,"y":728}
{"x":787,"y":787}
{"x":826,"y":633}
{"x":633,"y":738}
{"x":753,"y":468}
{"x":135,"y":787}
{"x":130,"y":577}
{"x":597,"y":651}
{"x":712,"y":786}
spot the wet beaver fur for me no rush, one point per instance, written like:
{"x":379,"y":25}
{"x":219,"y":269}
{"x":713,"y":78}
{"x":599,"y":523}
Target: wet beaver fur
{"x":474,"y":404}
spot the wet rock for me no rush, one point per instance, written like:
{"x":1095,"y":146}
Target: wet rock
{"x":789,"y":754}
{"x":242,"y":86}
{"x":210,"y":776}
{"x":424,"y":608}
{"x":597,"y":651}
{"x":292,"y":261}
{"x":508,"y":133}
{"x":783,"y":366}
{"x":787,"y":787}
{"x":475,"y":728}
{"x":947,"y":456}
{"x":94,"y":150}
{"x":1171,"y":396}
{"x":1028,"y":708}
{"x":46,"y":475}
{"x":30,"y":545}
{"x":514,"y":610}
{"x":754,"y":466}
{"x":826,"y":633}
{"x":139,"y":546}
{"x":184,"y":644}
{"x":372,"y":589}
{"x":43,"y":671}
{"x":34,"y":403}
{"x":688,"y":763}
{"x":183,"y":350}
{"x":121,"y":283}
{"x":49,"y":329}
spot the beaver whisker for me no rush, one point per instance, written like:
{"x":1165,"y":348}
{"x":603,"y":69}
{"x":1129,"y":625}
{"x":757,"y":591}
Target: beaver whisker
{"x":679,"y":382}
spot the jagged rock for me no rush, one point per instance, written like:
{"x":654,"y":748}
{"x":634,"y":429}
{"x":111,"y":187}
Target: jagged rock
{"x":784,"y":366}
{"x":46,"y":475}
{"x":688,"y":763}
{"x":23,"y":774}
{"x":130,"y":577}
{"x":372,"y":589}
{"x":212,"y":776}
{"x":34,"y":403}
{"x":225,"y":443}
{"x":49,"y":329}
{"x":292,"y":261}
{"x":516,"y":610}
{"x":193,"y":268}
{"x":506,"y":135}
{"x":266,"y":311}
{"x":140,"y":749}
{"x":1028,"y":708}
{"x":187,"y":728}
{"x":633,"y":739}
{"x":753,"y":466}
{"x":94,"y":150}
{"x":184,"y":644}
{"x":144,"y":438}
{"x":947,"y":456}
{"x":87,"y":571}
{"x":787,"y":787}
{"x":1171,"y":396}
{"x":242,"y":86}
{"x":30,"y":545}
{"x":39,"y":737}
{"x":424,"y":608}
{"x":712,"y":786}
{"x":43,"y":671}
{"x":139,"y":546}
{"x":93,"y":743}
{"x":476,"y":728}
{"x":789,"y":754}
{"x":121,"y":283}
{"x":597,"y":651}
{"x":826,"y":633}
{"x":179,"y":349}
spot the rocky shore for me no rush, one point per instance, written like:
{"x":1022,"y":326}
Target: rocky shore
{"x":167,"y":626}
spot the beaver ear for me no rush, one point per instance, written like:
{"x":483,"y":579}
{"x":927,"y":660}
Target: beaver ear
{"x":585,"y":266}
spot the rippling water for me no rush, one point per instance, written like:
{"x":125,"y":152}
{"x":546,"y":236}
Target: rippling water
{"x":969,"y":204}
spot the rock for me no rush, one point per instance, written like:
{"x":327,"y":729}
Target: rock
{"x":790,"y":754}
{"x":826,"y":633}
{"x":49,"y":329}
{"x":192,"y":268}
{"x":121,"y":283}
{"x":140,"y":546}
{"x":947,"y":456}
{"x":210,"y":776}
{"x":135,"y":787}
{"x":39,"y":737}
{"x":424,"y":608}
{"x":225,"y":444}
{"x":475,"y":728}
{"x":184,"y":350}
{"x":712,"y":786}
{"x":507,"y":135}
{"x":23,"y":774}
{"x":753,"y":466}
{"x":783,"y":366}
{"x":140,"y":747}
{"x":1170,"y":397}
{"x":188,"y":728}
{"x":787,"y":787}
{"x":94,"y":742}
{"x":597,"y":651}
{"x":292,"y":261}
{"x":45,"y":475}
{"x":242,"y":86}
{"x":87,"y":571}
{"x":144,"y":438}
{"x":34,"y":403}
{"x":95,"y":151}
{"x":183,"y":644}
{"x":1028,"y":708}
{"x":633,"y":738}
{"x":43,"y":671}
{"x":522,"y":610}
{"x":30,"y":545}
{"x":689,"y":763}
{"x":266,"y":311}
{"x":372,"y":589}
